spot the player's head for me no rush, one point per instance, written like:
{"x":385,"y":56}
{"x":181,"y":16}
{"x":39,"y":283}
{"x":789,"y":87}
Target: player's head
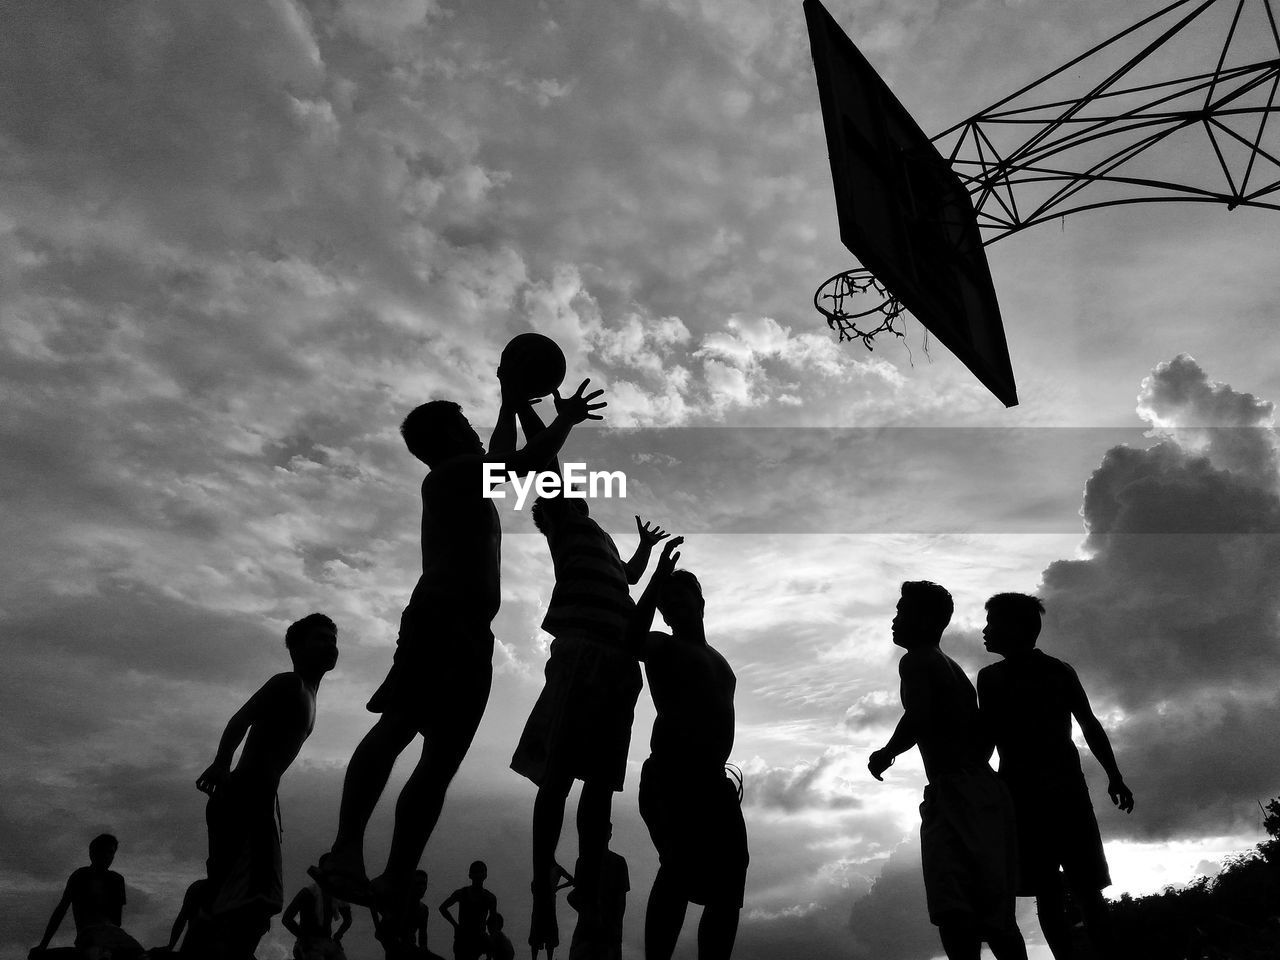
{"x":477,"y":871}
{"x":437,"y":431}
{"x":418,"y":883}
{"x":102,"y":850}
{"x":680,"y":599}
{"x":544,"y":519}
{"x":313,"y":642}
{"x":1013,"y":623}
{"x":923,"y":612}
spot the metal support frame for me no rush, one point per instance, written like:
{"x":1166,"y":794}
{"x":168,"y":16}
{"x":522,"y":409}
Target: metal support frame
{"x":1031,"y":158}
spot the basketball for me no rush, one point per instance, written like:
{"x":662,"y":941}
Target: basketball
{"x":535,"y":364}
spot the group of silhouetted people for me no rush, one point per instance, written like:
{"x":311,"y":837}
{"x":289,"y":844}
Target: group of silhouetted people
{"x":437,"y":688}
{"x":986,"y":838}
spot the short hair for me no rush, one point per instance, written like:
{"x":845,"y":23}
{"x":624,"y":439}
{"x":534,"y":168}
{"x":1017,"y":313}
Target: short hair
{"x":300,"y":628}
{"x":102,"y":841}
{"x":477,"y":866}
{"x":1023,"y":612}
{"x":539,"y":511}
{"x":682,"y":578}
{"x":932,"y":599}
{"x":425,"y":429}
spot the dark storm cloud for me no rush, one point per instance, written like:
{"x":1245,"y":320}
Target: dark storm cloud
{"x":1172,"y":616}
{"x":890,"y":923}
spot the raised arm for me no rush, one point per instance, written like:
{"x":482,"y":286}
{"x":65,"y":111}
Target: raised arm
{"x":532,"y":425}
{"x":502,"y":442}
{"x":55,"y":920}
{"x":1099,"y":744}
{"x":647,"y":605}
{"x":541,"y":449}
{"x":649,"y":536}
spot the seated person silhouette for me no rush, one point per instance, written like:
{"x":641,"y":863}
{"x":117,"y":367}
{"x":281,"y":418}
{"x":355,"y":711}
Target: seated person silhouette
{"x":309,"y":917}
{"x":439,"y":681}
{"x":580,"y":726}
{"x":1028,"y":700}
{"x":403,"y":935}
{"x":967,"y":834}
{"x":475,"y":906}
{"x":500,"y":945}
{"x":690,"y":806}
{"x":189,"y":918}
{"x":246,"y":885}
{"x":96,"y":897}
{"x":598,"y":935}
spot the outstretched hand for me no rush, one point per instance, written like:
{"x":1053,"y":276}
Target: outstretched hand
{"x":879,"y":762}
{"x":1120,"y":795}
{"x":578,"y":407}
{"x":212,"y":779}
{"x":667,"y":562}
{"x":649,"y":535}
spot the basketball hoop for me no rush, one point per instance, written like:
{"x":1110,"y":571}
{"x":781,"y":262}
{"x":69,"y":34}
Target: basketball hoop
{"x":862,"y":288}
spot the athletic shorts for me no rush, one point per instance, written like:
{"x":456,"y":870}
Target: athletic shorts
{"x":580,"y":726}
{"x":1057,"y":829}
{"x":441,"y":672}
{"x":968,"y":849}
{"x":695,"y":820}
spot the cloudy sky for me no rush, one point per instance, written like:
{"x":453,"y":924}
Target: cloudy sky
{"x":239,"y":241}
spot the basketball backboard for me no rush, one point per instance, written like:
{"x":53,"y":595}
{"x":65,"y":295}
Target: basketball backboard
{"x":903,"y":211}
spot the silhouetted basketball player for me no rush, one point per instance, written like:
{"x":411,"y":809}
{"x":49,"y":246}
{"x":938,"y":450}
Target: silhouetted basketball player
{"x":500,"y":945}
{"x":309,"y":917}
{"x":598,"y":934}
{"x":475,"y":906}
{"x":245,"y":882}
{"x":689,"y":804}
{"x":96,"y":897}
{"x":580,"y":726}
{"x":1028,"y":700}
{"x":439,"y":681}
{"x":189,"y":917}
{"x":967,"y":840}
{"x":404,"y":936}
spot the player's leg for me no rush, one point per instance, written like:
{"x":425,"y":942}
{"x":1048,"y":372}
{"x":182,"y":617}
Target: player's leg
{"x":1097,"y":922}
{"x":663,"y":917}
{"x":445,"y":744}
{"x":367,"y":776}
{"x":960,"y":941}
{"x":548,"y":822}
{"x":1008,"y":946}
{"x":1051,"y":909}
{"x":595,"y":807}
{"x":717,"y":931}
